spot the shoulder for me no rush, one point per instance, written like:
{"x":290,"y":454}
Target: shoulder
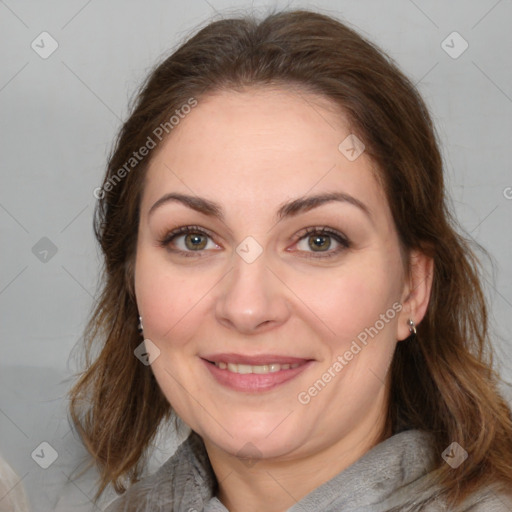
{"x":146,"y":492}
{"x":185,"y":479}
{"x":489,"y":501}
{"x":486,"y":500}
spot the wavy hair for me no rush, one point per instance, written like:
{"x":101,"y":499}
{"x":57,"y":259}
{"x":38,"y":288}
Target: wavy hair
{"x":442,"y":381}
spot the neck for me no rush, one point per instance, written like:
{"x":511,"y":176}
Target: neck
{"x":275,"y":485}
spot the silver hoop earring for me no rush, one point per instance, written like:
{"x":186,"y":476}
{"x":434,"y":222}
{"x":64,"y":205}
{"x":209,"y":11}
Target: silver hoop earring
{"x":412,"y":326}
{"x":140,"y":327}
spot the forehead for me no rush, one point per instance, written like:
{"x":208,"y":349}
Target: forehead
{"x":261,"y":145}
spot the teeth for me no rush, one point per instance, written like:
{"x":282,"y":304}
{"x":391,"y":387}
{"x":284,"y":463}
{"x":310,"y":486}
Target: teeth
{"x":244,"y":368}
{"x":248,"y":368}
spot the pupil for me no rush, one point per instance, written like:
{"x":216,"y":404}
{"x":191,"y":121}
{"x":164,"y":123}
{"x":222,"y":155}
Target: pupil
{"x":319,"y":242}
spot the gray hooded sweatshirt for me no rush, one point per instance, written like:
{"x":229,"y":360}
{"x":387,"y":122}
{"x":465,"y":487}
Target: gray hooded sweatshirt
{"x":391,"y":477}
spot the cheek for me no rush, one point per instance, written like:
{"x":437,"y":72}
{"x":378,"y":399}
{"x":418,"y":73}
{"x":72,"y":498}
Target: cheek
{"x":166,"y":297}
{"x":354,"y":297}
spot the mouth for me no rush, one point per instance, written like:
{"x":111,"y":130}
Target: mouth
{"x":260,"y":369}
{"x":254,"y":373}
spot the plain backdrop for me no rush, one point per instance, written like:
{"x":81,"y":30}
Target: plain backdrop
{"x":60,"y":114}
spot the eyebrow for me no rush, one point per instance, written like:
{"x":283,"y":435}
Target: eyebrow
{"x":288,"y":209}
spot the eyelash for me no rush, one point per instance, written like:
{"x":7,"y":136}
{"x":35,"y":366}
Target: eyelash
{"x":185,"y":230}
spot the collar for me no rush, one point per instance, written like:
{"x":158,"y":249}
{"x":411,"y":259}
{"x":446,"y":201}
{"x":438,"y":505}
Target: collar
{"x":390,"y":474}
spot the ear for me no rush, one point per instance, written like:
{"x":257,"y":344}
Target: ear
{"x":416,"y":292}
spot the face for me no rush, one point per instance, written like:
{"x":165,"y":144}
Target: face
{"x":268,"y":273}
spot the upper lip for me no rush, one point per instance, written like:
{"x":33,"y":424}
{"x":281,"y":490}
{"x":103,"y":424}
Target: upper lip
{"x":256,"y":360}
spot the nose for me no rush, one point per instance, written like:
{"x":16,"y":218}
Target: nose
{"x":252,"y":299}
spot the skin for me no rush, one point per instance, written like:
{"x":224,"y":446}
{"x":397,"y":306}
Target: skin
{"x":250,"y":152}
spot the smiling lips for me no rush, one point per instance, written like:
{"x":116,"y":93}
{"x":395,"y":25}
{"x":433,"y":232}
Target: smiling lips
{"x":260,"y":368}
{"x":254,"y":373}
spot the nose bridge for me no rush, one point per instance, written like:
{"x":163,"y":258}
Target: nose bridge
{"x":251,"y":296}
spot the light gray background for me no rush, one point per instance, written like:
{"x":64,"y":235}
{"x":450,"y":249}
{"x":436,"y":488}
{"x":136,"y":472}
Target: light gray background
{"x":60,"y":115}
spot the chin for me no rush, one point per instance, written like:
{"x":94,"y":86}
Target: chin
{"x":256,"y":439}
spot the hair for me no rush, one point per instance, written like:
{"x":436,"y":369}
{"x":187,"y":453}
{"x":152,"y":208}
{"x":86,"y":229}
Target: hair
{"x":442,"y":381}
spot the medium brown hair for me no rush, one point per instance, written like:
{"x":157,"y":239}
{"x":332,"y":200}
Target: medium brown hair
{"x":442,"y":381}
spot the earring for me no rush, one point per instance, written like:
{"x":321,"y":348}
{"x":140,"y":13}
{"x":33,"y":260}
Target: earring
{"x":140,"y":327}
{"x":412,"y":326}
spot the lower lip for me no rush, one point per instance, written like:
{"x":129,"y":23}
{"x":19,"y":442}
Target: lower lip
{"x":254,"y":382}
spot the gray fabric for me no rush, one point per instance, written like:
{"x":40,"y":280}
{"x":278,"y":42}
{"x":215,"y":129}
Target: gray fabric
{"x":392,"y":477}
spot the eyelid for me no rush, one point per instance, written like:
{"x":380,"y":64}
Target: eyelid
{"x":183,"y":230}
{"x":321,"y":230}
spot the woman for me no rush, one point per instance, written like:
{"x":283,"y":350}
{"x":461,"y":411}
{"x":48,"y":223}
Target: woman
{"x":274,"y":227}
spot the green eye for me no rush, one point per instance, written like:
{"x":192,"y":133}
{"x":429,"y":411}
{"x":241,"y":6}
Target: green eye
{"x":319,"y":243}
{"x":195,"y":241}
{"x":187,"y":240}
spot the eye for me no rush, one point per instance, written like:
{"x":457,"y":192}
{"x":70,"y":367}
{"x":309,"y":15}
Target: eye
{"x":316,"y":242}
{"x":321,"y":242}
{"x":188,"y":239}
